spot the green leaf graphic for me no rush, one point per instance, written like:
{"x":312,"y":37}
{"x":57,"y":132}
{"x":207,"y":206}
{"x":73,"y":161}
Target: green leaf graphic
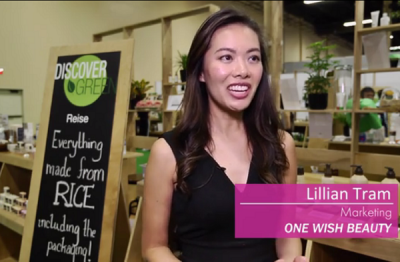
{"x":71,"y":86}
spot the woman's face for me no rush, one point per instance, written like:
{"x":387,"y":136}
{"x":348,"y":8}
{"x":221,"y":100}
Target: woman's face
{"x":232,"y":67}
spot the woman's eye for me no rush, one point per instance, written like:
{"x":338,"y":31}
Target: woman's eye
{"x":226,"y":58}
{"x":255,"y":58}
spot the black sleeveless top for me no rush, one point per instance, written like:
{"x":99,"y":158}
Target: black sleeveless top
{"x":205,"y":220}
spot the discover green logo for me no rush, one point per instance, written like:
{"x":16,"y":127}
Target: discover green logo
{"x":85,"y":80}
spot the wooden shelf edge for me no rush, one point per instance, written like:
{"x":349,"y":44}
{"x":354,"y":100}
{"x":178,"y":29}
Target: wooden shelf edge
{"x":174,"y":84}
{"x":369,"y":110}
{"x":378,"y":70}
{"x":150,"y":109}
{"x":12,"y":221}
{"x":366,"y":31}
{"x":16,"y":160}
{"x":317,"y":111}
{"x":130,"y":154}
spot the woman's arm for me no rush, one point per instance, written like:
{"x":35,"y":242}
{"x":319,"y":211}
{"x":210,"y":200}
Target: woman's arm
{"x":157,"y":195}
{"x":288,"y":249}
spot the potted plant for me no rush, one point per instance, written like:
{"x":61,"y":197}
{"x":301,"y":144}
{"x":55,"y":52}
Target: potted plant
{"x":138,"y":91}
{"x":182,"y":64}
{"x":317,"y":84}
{"x":394,"y":60}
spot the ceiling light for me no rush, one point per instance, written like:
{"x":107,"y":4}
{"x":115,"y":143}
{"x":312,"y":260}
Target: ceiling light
{"x":311,"y":2}
{"x":395,"y":48}
{"x":367,"y":21}
{"x":391,"y":37}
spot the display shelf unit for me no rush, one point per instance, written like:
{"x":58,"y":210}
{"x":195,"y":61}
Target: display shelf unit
{"x":16,"y":173}
{"x":134,"y":141}
{"x":356,"y":156}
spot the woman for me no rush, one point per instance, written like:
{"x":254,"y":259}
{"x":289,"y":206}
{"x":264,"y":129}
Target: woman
{"x":228,"y":134}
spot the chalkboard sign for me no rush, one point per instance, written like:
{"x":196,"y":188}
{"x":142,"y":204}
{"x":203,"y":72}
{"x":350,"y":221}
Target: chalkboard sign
{"x":80,"y":168}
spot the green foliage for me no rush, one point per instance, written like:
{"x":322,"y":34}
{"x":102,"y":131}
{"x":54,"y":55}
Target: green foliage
{"x":182,"y":61}
{"x":396,"y":14}
{"x":139,"y":88}
{"x":321,"y":62}
{"x":394,"y":56}
{"x":341,"y":117}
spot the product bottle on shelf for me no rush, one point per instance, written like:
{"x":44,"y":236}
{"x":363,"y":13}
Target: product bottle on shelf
{"x":358,"y":176}
{"x":390,"y":177}
{"x":300,"y":175}
{"x":21,"y":200}
{"x":385,"y":19}
{"x":3,"y":195}
{"x":327,"y":178}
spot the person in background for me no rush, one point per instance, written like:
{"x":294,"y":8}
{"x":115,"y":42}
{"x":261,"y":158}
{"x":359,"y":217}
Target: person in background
{"x":229,"y":134}
{"x":368,"y":92}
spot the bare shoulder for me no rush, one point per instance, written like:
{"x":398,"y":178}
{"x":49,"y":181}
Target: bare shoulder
{"x":157,"y":196}
{"x":288,"y":141}
{"x":161,"y":160}
{"x":161,"y":150}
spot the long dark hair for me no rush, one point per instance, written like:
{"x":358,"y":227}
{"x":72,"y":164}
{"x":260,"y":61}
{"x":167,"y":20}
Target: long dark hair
{"x":262,"y":124}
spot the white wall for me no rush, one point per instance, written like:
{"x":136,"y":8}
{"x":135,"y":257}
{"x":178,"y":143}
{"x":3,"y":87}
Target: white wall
{"x":31,"y":28}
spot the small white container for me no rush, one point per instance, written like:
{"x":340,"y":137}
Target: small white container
{"x":385,"y":19}
{"x":375,"y":18}
{"x":143,"y":168}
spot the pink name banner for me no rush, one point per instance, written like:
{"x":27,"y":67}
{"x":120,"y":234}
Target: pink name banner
{"x":316,"y":211}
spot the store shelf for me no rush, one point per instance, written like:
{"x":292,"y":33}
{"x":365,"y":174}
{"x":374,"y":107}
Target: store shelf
{"x":156,"y":133}
{"x":155,"y":109}
{"x":379,"y":70}
{"x":372,"y":110}
{"x":316,"y":111}
{"x":382,"y":144}
{"x":12,"y":221}
{"x":17,"y":160}
{"x":174,"y":84}
{"x":301,"y":123}
{"x":366,"y":31}
{"x":132,"y":155}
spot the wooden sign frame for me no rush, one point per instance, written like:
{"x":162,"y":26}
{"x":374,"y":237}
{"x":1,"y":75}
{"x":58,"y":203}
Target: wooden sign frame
{"x":113,"y":194}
